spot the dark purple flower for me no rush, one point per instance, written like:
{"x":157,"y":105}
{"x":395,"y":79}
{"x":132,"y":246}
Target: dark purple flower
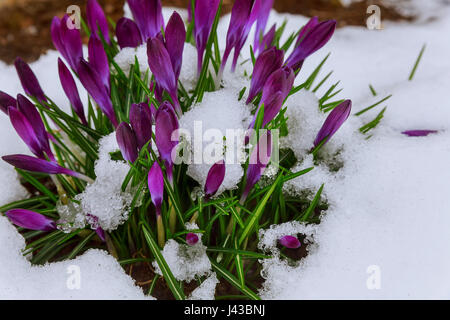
{"x":96,"y":20}
{"x":259,"y":159}
{"x":311,"y":24}
{"x":128,"y":34}
{"x":266,"y":64}
{"x":141,"y":122}
{"x":127,"y":142}
{"x":261,"y":22}
{"x":67,"y":41}
{"x":166,"y":135}
{"x":98,"y":60}
{"x":148,"y":16}
{"x":419,"y":133}
{"x":156,"y":186}
{"x":205,"y":12}
{"x":267,"y":40}
{"x":290,"y":242}
{"x":215,"y":178}
{"x":333,"y":122}
{"x":311,"y":39}
{"x":100,"y":233}
{"x":71,"y":91}
{"x":191,"y":239}
{"x":6,"y":101}
{"x":94,"y":85}
{"x":30,"y":220}
{"x":28,"y":80}
{"x":175,"y":36}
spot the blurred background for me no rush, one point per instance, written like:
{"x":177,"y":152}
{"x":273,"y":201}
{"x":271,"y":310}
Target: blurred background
{"x":25,"y":24}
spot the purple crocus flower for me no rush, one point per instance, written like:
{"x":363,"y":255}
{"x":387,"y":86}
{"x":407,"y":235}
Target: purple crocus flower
{"x":191,"y":239}
{"x":333,"y":122}
{"x":6,"y":101}
{"x":141,"y":122}
{"x":258,"y":161}
{"x":419,"y":133}
{"x":128,"y":34}
{"x":290,"y":242}
{"x":96,"y":20}
{"x":215,"y":178}
{"x":30,"y":220}
{"x":175,"y":36}
{"x":267,"y":40}
{"x":67,"y":41}
{"x":311,"y":38}
{"x":148,"y":16}
{"x":127,"y":142}
{"x":310,"y":25}
{"x":261,"y":22}
{"x":28,"y":80}
{"x":94,"y":85}
{"x":205,"y":12}
{"x":161,"y":66}
{"x":71,"y":91}
{"x":156,"y":186}
{"x":98,"y":60}
{"x":266,"y":64}
{"x":166,"y":135}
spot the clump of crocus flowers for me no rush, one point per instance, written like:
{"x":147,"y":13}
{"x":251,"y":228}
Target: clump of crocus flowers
{"x":143,"y":110}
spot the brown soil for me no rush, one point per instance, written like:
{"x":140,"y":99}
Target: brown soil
{"x":25,"y":24}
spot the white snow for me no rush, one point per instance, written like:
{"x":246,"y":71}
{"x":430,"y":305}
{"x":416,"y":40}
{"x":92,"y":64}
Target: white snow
{"x":206,"y":290}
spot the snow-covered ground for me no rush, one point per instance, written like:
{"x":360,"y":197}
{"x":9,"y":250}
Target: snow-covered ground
{"x":387,"y":232}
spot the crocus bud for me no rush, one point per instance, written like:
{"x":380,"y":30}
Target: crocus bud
{"x":141,"y":122}
{"x":261,"y":22}
{"x":191,"y":239}
{"x":30,"y":220}
{"x":266,"y":63}
{"x":333,"y":122}
{"x":258,"y":161}
{"x":148,"y":16}
{"x":28,"y":80}
{"x":71,"y":91}
{"x":267,"y":40}
{"x":96,"y":20}
{"x":128,"y":34}
{"x":98,"y":60}
{"x":290,"y":242}
{"x":6,"y":101}
{"x":67,"y":41}
{"x":127,"y":142}
{"x":215,"y":178}
{"x":175,"y":35}
{"x":156,"y":186}
{"x":205,"y":12}
{"x":419,"y":133}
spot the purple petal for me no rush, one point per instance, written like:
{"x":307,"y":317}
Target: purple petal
{"x":127,"y":142}
{"x":96,"y":20}
{"x":98,"y":60}
{"x":333,"y":122}
{"x":419,"y":133}
{"x":175,"y":37}
{"x":141,"y":122}
{"x":261,"y":22}
{"x":311,"y":24}
{"x":6,"y":101}
{"x":101,"y":233}
{"x":156,"y":186}
{"x":290,"y":242}
{"x":267,"y":40}
{"x":191,"y":239}
{"x":148,"y":16}
{"x":71,"y":91}
{"x":128,"y":34}
{"x":70,"y":44}
{"x":30,"y":220}
{"x":28,"y":80}
{"x":215,"y":178}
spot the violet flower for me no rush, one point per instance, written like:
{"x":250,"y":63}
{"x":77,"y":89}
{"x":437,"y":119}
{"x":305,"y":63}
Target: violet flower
{"x":148,"y":16}
{"x":205,"y":13}
{"x":267,"y":40}
{"x":141,"y":122}
{"x":30,"y":220}
{"x":175,"y":36}
{"x":6,"y":101}
{"x":166,"y":135}
{"x":156,"y":186}
{"x":96,"y":20}
{"x":128,"y":34}
{"x":127,"y":142}
{"x":333,"y":122}
{"x":261,"y":22}
{"x":28,"y":80}
{"x":290,"y":242}
{"x":98,"y":60}
{"x":266,"y":64}
{"x":67,"y":41}
{"x":419,"y":133}
{"x":71,"y":91}
{"x":312,"y":37}
{"x":215,"y":177}
{"x":191,"y":239}
{"x":258,"y":161}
